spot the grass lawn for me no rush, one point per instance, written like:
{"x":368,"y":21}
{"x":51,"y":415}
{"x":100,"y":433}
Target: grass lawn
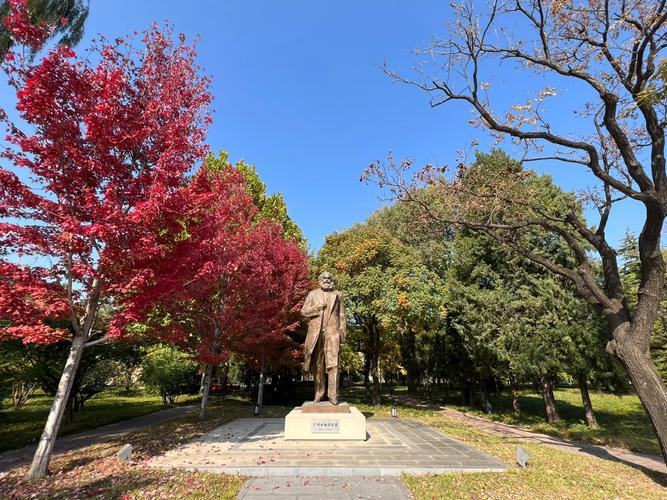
{"x":551,"y":473}
{"x":22,"y":427}
{"x":622,"y":419}
{"x":93,"y":471}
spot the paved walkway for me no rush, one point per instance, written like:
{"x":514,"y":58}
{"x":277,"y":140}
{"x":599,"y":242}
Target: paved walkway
{"x":256,"y":447}
{"x":642,"y":461}
{"x":312,"y":488}
{"x":22,"y":456}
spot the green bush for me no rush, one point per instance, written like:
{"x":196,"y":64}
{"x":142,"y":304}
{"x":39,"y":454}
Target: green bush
{"x":169,"y":372}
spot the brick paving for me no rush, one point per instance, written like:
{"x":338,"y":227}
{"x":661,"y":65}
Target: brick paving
{"x":319,"y":488}
{"x":255,"y":447}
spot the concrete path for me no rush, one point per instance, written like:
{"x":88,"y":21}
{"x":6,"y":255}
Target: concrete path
{"x":22,"y":456}
{"x":256,"y":447}
{"x":312,"y":488}
{"x":642,"y":461}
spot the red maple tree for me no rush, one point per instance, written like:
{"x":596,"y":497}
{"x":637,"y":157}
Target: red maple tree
{"x":106,"y":152}
{"x":235,"y":282}
{"x":23,"y":31}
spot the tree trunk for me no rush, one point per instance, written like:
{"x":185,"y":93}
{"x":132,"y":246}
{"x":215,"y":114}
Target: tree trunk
{"x":208,"y":374}
{"x":472,"y":394}
{"x":466,"y":392}
{"x":409,"y":352}
{"x":412,"y":377}
{"x":128,"y":378}
{"x":549,"y":399}
{"x":206,"y":389}
{"x":367,"y":374}
{"x":69,"y":409}
{"x":516,"y":405}
{"x":375,"y":365}
{"x":40,"y":462}
{"x":260,"y":389}
{"x":497,"y":388}
{"x":375,"y":387}
{"x":375,"y":390}
{"x":484,"y":398}
{"x":591,"y":421}
{"x":224,"y":376}
{"x":649,"y":386}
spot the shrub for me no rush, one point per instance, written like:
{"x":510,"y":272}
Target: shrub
{"x":169,"y":372}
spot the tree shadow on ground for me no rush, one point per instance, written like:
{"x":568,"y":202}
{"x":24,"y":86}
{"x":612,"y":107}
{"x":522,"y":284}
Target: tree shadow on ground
{"x":623,"y":423}
{"x":658,"y":477}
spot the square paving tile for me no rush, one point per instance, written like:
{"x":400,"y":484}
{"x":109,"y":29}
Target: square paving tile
{"x":256,"y":447}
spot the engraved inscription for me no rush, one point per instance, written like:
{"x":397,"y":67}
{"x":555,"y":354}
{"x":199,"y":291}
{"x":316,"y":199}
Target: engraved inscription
{"x":325,"y":426}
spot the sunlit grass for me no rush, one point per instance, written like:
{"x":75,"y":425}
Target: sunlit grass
{"x":622,"y":420}
{"x":22,"y":427}
{"x":551,"y":473}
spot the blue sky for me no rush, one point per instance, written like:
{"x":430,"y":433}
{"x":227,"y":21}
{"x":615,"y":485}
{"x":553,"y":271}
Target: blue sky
{"x":299,"y":93}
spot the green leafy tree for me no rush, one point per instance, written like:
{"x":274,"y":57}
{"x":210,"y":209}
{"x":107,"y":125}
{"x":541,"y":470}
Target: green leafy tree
{"x":16,"y":377}
{"x":170,"y":373}
{"x":350,"y":360}
{"x":436,"y":353}
{"x":511,"y":320}
{"x":126,"y":357}
{"x":26,"y":366}
{"x":388,"y":290}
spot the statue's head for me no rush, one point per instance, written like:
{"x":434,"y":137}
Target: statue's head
{"x":327,"y":281}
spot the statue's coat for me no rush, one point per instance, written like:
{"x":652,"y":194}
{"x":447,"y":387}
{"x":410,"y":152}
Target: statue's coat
{"x":331,"y":322}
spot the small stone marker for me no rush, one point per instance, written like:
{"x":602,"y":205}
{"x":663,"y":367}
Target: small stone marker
{"x":125,"y":453}
{"x":522,"y":457}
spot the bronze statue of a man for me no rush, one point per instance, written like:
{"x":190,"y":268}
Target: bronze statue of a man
{"x":325,"y":312}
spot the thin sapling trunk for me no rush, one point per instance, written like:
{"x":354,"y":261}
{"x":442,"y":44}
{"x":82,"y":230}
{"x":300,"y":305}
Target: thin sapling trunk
{"x":206,"y":389}
{"x":260,"y":389}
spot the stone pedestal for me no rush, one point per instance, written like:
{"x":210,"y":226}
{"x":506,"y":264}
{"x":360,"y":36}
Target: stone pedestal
{"x":325,"y":422}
